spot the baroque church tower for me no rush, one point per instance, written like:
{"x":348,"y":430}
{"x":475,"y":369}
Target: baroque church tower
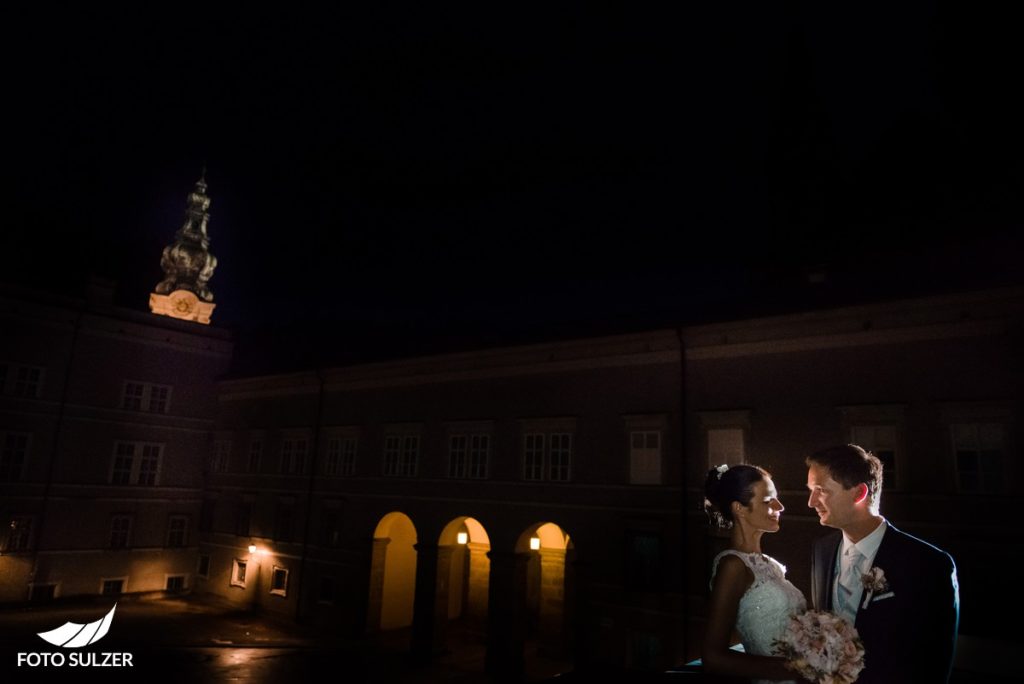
{"x":188,"y":265}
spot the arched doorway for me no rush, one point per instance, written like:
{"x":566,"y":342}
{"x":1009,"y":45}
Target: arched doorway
{"x":547,"y":581}
{"x":392,"y":573}
{"x":463,"y":562}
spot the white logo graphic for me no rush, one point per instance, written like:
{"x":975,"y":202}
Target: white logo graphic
{"x":74,"y":635}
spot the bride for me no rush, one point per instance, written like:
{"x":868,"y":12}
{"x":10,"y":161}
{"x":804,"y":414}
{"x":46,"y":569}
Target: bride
{"x":749,"y":591}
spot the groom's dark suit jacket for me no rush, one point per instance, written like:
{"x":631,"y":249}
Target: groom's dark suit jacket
{"x":909,"y":636}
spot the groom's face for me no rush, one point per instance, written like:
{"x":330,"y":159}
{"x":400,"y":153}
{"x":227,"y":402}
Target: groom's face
{"x":834,"y":504}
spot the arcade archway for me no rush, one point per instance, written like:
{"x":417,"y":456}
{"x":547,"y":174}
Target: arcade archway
{"x":548,"y":584}
{"x":392,"y":573}
{"x":464,"y":564}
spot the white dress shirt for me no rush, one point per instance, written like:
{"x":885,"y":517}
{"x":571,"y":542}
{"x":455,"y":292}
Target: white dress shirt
{"x":867,"y":548}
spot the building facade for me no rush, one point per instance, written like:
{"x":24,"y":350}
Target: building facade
{"x":105,"y":422}
{"x":541,"y":497}
{"x":550,"y":495}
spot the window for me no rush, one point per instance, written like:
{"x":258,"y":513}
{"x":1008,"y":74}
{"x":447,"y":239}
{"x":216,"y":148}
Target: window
{"x":120,"y":531}
{"x":881,"y":441}
{"x":175,"y":583}
{"x":238,"y":569}
{"x":878,"y":428}
{"x":13,"y":456}
{"x":243,"y":517}
{"x":479,"y":455}
{"x":468,"y":456}
{"x":27,"y":381}
{"x":124,"y":459}
{"x":19,"y":534}
{"x":158,"y":396}
{"x":533,"y":457}
{"x":149,"y":463}
{"x":284,"y":521}
{"x":145,"y":396}
{"x":979,"y":439}
{"x":112,"y":587}
{"x":979,"y":448}
{"x":255,"y":456}
{"x":401,"y":455}
{"x":293,"y":455}
{"x":341,"y":456}
{"x":560,"y":455}
{"x":134,"y":394}
{"x":279,"y":581}
{"x":221,"y":452}
{"x":725,"y":436}
{"x":458,"y":451}
{"x":136,"y":463}
{"x":547,"y":456}
{"x":177,"y":531}
{"x":203,"y":569}
{"x":645,"y":457}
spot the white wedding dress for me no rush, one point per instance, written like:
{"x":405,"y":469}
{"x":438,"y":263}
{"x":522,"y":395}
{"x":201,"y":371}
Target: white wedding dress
{"x":766,"y":607}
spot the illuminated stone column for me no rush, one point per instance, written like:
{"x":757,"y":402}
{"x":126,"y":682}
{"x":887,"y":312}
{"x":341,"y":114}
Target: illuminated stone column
{"x":442,"y":589}
{"x":375,"y":602}
{"x":551,"y":625}
{"x":479,"y":580}
{"x":506,"y":615}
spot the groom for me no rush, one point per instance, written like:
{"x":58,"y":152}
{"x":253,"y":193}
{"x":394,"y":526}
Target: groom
{"x":899,"y":592}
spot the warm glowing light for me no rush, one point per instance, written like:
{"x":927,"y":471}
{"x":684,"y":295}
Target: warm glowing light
{"x":252,"y":548}
{"x":534,"y":543}
{"x":462,"y":537}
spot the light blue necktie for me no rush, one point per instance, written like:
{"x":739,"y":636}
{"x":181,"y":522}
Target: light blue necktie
{"x":849,"y":581}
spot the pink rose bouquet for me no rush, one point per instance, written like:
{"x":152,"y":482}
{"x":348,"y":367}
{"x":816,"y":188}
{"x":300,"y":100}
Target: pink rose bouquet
{"x":822,"y":647}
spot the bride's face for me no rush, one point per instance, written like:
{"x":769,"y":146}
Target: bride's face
{"x":765,"y":509}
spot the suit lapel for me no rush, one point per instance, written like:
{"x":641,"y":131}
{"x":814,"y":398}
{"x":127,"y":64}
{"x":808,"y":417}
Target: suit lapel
{"x":888,"y":552}
{"x":827,"y":550}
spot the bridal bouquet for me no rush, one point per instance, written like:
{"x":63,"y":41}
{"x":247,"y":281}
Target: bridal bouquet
{"x":822,"y":647}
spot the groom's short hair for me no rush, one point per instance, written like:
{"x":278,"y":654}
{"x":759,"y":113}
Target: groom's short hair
{"x":849,"y":465}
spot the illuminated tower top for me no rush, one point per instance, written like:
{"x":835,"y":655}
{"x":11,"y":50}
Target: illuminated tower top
{"x":188,"y":265}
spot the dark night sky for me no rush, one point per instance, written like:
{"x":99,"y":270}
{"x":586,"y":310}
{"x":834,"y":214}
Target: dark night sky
{"x":487,"y":175}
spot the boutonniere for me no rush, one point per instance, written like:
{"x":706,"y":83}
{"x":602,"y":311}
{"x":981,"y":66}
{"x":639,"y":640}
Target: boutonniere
{"x":873,"y":580}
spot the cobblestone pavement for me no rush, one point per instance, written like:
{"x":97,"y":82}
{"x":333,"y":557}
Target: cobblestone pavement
{"x":187,"y":640}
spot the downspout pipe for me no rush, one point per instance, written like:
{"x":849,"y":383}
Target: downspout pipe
{"x":55,"y":447}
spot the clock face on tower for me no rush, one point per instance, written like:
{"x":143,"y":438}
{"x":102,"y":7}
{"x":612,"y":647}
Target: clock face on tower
{"x":183,"y":303}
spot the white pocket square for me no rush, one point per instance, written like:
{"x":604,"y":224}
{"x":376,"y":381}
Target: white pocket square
{"x":881,"y":597}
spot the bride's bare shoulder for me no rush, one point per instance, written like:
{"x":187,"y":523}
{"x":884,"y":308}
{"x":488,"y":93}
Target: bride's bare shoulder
{"x":731,"y":569}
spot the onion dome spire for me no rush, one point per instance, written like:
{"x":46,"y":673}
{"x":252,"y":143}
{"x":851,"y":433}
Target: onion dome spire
{"x":188,"y":264}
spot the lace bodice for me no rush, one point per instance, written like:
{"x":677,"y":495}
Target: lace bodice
{"x":766,"y":606}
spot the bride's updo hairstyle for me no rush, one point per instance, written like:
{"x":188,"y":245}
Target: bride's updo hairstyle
{"x":725,"y":485}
